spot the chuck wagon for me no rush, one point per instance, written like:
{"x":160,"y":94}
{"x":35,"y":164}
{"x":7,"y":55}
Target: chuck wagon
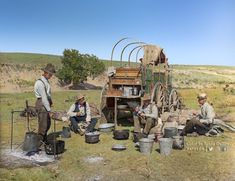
{"x":128,"y":85}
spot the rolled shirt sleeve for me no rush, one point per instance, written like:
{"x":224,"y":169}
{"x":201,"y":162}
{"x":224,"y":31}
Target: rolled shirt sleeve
{"x":152,"y":113}
{"x":71,"y":112}
{"x":207,"y":114}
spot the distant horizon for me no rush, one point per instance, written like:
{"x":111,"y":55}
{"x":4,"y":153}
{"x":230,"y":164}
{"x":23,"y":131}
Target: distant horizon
{"x":35,"y":53}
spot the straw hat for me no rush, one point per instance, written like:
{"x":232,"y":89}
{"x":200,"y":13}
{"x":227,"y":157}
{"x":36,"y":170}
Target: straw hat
{"x":80,"y":96}
{"x":202,"y":96}
{"x":49,"y":68}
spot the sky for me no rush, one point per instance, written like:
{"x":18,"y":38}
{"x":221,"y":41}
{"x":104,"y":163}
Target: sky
{"x":196,"y":32}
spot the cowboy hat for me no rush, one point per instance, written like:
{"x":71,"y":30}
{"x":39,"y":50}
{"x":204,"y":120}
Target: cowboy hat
{"x":80,"y":96}
{"x":49,"y":68}
{"x":202,"y":96}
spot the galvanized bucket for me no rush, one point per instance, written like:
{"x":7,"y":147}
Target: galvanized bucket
{"x":146,"y":145}
{"x":165,"y":145}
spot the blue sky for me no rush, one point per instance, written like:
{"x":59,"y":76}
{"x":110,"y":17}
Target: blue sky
{"x":190,"y":31}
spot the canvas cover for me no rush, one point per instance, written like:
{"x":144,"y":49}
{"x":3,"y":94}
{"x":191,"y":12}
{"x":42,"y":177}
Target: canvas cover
{"x":153,"y":54}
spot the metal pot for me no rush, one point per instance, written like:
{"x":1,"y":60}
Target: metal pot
{"x":170,"y":132}
{"x":118,"y":147}
{"x":178,"y":142}
{"x":121,"y":134}
{"x":31,"y":142}
{"x":92,"y":137}
{"x":65,"y":132}
{"x":106,"y":127}
{"x":54,"y":147}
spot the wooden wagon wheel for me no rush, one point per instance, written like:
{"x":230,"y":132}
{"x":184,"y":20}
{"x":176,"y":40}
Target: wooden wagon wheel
{"x":106,"y":114}
{"x":174,"y":101}
{"x":158,"y":96}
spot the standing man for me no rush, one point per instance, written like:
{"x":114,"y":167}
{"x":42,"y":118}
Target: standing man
{"x":146,"y":115}
{"x":80,"y":112}
{"x":42,"y":90}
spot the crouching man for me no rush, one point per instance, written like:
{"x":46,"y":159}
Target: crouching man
{"x":145,"y":116}
{"x":80,"y":116}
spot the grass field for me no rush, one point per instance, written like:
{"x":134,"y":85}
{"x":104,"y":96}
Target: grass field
{"x":188,"y":164}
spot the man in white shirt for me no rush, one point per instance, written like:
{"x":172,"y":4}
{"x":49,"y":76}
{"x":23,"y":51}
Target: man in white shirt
{"x":201,"y":122}
{"x":42,"y":92}
{"x":80,"y":112}
{"x":146,"y":115}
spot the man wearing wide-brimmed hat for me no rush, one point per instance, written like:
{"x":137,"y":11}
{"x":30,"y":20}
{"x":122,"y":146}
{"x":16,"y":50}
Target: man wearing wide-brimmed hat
{"x":201,"y":122}
{"x":42,"y":90}
{"x":146,"y":116}
{"x":205,"y":122}
{"x":80,"y":112}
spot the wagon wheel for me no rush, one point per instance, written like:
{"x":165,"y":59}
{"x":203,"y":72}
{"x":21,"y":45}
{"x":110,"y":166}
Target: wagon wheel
{"x":174,"y":101}
{"x":106,"y":114}
{"x":158,"y":96}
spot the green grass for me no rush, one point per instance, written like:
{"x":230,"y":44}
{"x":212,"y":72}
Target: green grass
{"x":29,"y":58}
{"x":126,"y":165}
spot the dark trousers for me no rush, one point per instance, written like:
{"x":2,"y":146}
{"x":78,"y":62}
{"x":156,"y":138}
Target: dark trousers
{"x":76,"y":119}
{"x":44,"y":120}
{"x":194,"y":125}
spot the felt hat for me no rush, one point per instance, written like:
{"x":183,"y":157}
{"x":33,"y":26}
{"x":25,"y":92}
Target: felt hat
{"x":49,"y":68}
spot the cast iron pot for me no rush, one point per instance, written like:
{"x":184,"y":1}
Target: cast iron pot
{"x":121,"y":134}
{"x":92,"y":137}
{"x":54,"y":147}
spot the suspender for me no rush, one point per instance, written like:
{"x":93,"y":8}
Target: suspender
{"x":48,"y":97}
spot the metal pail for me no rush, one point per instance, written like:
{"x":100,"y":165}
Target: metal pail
{"x":165,"y":145}
{"x":146,"y":145}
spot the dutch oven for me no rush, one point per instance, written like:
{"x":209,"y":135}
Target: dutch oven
{"x":54,"y":147}
{"x":121,"y":134}
{"x":92,"y":137}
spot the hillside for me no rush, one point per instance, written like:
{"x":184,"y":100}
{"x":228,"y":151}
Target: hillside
{"x":20,"y":70}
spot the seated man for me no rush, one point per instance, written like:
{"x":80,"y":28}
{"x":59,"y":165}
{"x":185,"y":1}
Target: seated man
{"x":201,"y":122}
{"x":146,"y":115}
{"x":80,"y":112}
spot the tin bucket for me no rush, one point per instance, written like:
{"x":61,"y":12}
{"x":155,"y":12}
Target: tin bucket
{"x":146,"y":145}
{"x":165,"y":145}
